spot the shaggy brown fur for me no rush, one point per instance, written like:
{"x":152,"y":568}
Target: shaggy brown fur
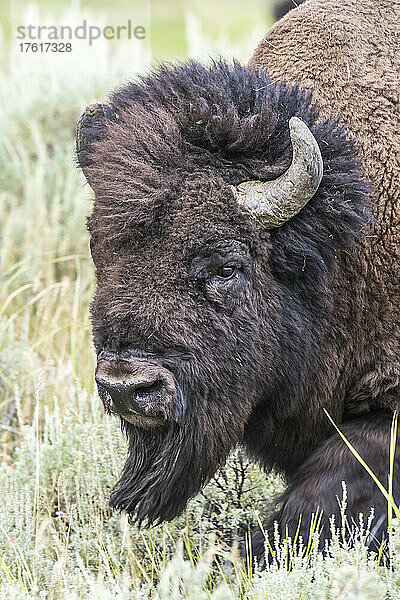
{"x":310,"y":318}
{"x":348,"y":53}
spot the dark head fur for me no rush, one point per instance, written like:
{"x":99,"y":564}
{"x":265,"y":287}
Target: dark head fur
{"x":161,"y":161}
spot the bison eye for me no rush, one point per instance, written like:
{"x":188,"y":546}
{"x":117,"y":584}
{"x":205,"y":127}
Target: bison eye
{"x":226,"y":272}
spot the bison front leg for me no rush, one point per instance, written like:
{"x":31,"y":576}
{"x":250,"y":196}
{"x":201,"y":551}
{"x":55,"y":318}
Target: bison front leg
{"x":316,"y":487}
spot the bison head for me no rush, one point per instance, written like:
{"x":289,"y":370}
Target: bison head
{"x":213,"y":238}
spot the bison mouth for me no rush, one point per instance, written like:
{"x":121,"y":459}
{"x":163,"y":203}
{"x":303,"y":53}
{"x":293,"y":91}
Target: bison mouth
{"x":143,"y":421}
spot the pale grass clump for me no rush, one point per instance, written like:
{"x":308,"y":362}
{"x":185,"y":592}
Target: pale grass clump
{"x":60,"y":456}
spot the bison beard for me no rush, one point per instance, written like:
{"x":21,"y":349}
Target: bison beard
{"x":166,"y":467}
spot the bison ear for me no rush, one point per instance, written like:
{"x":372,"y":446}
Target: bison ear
{"x":90,"y":128}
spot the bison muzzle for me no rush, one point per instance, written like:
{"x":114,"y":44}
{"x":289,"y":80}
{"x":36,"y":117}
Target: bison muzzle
{"x":141,"y":392}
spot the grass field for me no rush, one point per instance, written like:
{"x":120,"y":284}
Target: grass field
{"x":60,"y":455}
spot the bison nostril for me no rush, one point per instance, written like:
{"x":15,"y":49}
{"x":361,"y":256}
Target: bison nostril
{"x":131,"y":394}
{"x":148,"y":391}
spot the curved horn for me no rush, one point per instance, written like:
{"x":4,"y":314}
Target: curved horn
{"x":275,"y":202}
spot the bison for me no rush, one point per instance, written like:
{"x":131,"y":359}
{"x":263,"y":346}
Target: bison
{"x":245,"y":235}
